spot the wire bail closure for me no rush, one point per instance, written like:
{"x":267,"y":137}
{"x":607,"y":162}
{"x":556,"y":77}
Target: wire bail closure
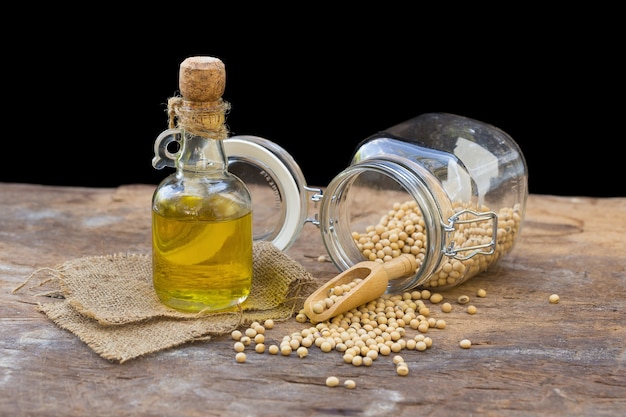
{"x":484,"y":248}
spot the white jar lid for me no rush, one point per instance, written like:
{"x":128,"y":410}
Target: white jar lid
{"x":277,"y":186}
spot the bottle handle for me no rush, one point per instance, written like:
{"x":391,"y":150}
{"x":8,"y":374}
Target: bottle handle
{"x":163,"y":157}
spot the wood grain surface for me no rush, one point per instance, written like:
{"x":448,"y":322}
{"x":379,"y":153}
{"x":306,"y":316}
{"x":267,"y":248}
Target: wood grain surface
{"x":528,"y":357}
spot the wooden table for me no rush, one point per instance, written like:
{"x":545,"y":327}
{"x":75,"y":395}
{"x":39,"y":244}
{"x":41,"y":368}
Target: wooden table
{"x":528,"y":357}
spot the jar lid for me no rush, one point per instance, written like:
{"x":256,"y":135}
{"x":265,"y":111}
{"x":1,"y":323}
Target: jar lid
{"x":276,"y":184}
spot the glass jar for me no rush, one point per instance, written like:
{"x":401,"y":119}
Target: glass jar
{"x":461,"y":182}
{"x":446,"y":188}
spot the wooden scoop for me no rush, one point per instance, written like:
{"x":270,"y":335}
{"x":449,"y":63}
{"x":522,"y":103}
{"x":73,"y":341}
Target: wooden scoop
{"x":375,"y":278}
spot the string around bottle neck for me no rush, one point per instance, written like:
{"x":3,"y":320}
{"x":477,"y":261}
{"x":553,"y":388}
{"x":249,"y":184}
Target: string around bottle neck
{"x":197,"y":118}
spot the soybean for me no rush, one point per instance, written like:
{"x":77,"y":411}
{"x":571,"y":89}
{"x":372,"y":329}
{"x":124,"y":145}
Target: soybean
{"x":332,"y":381}
{"x":463,"y":299}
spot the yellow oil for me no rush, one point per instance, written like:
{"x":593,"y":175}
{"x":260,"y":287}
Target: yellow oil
{"x":202,"y":265}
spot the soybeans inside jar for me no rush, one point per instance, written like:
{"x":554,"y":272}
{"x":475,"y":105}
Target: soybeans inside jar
{"x":401,"y":230}
{"x":449,"y":190}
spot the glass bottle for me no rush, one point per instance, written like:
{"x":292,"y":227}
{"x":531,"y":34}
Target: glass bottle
{"x":201,"y":214}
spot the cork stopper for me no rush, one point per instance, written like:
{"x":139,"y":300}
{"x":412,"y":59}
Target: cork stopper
{"x":202,"y":79}
{"x":201,"y":110}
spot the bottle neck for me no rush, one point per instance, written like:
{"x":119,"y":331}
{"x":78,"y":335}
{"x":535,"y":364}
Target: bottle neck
{"x":202,"y":154}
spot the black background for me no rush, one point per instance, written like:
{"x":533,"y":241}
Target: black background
{"x":86,"y":97}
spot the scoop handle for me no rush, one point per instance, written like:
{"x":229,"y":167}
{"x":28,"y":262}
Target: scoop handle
{"x":400,"y":266}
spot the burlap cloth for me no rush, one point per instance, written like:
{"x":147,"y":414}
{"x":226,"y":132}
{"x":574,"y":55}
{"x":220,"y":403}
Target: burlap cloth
{"x":110,"y":304}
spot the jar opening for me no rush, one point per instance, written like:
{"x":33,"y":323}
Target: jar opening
{"x":378,"y":210}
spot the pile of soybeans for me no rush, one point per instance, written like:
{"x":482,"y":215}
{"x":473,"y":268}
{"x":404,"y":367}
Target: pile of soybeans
{"x":362,"y":335}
